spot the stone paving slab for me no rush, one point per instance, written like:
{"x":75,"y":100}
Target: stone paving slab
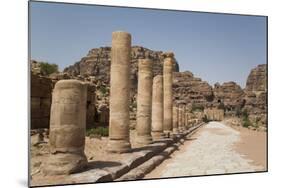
{"x":140,"y":171}
{"x":162,"y":149}
{"x":136,"y":163}
{"x":210,"y":153}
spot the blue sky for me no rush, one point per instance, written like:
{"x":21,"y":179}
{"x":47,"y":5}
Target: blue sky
{"x":215,"y":47}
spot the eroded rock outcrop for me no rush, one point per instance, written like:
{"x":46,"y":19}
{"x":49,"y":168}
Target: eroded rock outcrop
{"x":256,"y":96}
{"x":190,"y":90}
{"x":95,"y":68}
{"x":228,"y":95}
{"x":97,"y":63}
{"x":257,"y":79}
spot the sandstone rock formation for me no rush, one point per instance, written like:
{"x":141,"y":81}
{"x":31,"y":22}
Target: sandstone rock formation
{"x":257,"y":80}
{"x":189,"y":90}
{"x":97,"y":63}
{"x":256,"y":96}
{"x":95,"y":67}
{"x":229,"y":94}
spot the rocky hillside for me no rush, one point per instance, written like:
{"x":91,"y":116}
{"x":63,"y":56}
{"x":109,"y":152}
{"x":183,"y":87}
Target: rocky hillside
{"x":190,"y":90}
{"x":257,"y":81}
{"x":94,"y":69}
{"x":230,"y":94}
{"x":255,"y":96}
{"x":97,"y":63}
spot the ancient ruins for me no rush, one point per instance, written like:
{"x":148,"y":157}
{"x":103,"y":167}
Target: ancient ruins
{"x":143,"y":100}
{"x":120,"y":92}
{"x":157,"y":108}
{"x":67,"y":128}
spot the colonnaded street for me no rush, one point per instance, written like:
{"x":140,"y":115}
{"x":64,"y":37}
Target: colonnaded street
{"x":210,"y":151}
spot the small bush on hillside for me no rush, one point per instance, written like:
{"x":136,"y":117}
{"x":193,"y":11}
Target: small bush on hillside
{"x":205,"y":119}
{"x":47,"y":68}
{"x":99,"y":131}
{"x":246,"y":122}
{"x":245,"y":119}
{"x":103,"y":90}
{"x":197,"y":107}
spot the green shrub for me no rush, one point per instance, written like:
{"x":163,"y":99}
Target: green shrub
{"x":197,"y":107}
{"x":245,"y":114}
{"x":99,"y":131}
{"x":245,"y":119}
{"x":205,"y":119}
{"x":246,"y":122}
{"x":47,"y":68}
{"x":103,"y":90}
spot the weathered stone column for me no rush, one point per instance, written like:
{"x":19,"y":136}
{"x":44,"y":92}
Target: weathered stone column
{"x":168,"y":97}
{"x":186,"y":120}
{"x":67,"y":128}
{"x":180,"y":119}
{"x":183,"y":118}
{"x":157,"y":108}
{"x":175,"y":119}
{"x":119,"y":138}
{"x":144,"y":102}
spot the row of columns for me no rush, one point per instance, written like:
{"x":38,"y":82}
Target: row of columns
{"x":156,"y":115}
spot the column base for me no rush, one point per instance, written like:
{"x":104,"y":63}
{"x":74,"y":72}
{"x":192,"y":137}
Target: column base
{"x":175,"y":130}
{"x":118,"y":146}
{"x":64,"y":163}
{"x":157,"y":135}
{"x":167,"y":133}
{"x":144,"y":140}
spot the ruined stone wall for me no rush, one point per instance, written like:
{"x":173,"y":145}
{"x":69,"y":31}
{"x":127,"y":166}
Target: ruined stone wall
{"x":40,"y":104}
{"x":41,"y":99}
{"x":214,"y":114}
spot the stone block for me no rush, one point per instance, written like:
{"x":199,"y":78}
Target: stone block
{"x":92,"y":176}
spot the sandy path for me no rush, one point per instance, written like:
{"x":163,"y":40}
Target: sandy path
{"x":213,"y":150}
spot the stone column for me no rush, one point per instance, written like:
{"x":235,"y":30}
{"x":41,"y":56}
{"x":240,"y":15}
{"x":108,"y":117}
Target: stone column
{"x":67,"y":129}
{"x":180,"y":119}
{"x":157,"y":108}
{"x":183,"y":118}
{"x":144,"y":102}
{"x":186,"y":120}
{"x":168,"y":97}
{"x":175,"y":119}
{"x":119,"y":138}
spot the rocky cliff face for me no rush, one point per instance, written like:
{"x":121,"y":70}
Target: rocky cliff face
{"x":97,"y":63}
{"x":190,"y":90}
{"x":229,"y":94}
{"x":257,"y":81}
{"x":256,"y":96}
{"x":256,"y":90}
{"x":187,"y":89}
